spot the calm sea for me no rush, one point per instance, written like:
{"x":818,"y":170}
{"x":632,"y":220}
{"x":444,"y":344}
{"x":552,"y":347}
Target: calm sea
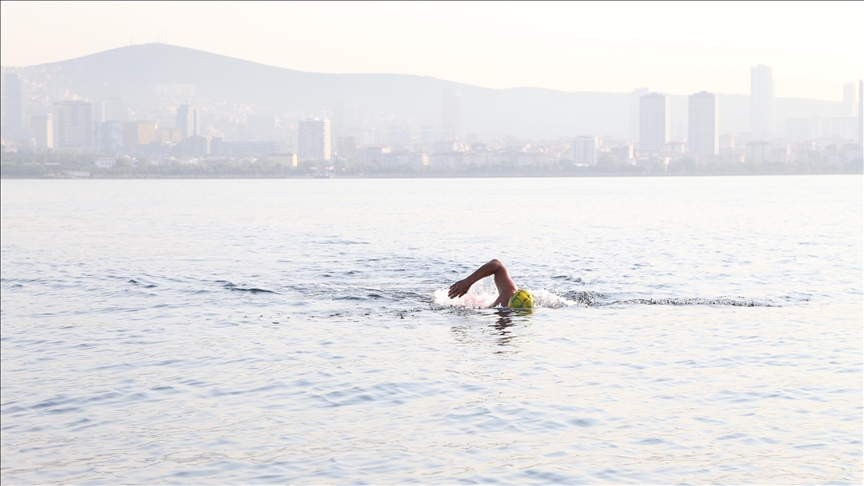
{"x":692,"y":330}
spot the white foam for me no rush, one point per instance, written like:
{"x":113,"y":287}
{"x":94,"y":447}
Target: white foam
{"x":544,"y":298}
{"x":471,"y":300}
{"x":481,"y":296}
{"x":484,"y":293}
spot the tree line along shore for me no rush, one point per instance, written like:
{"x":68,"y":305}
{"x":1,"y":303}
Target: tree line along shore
{"x":70,"y":166}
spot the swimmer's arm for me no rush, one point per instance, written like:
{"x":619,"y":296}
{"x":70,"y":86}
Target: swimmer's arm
{"x":461,"y":287}
{"x":501,"y":301}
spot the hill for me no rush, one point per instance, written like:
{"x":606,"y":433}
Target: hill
{"x":135,"y":72}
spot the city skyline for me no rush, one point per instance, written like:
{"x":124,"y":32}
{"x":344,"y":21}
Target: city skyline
{"x":590,"y":58}
{"x":166,"y":104}
{"x":149,"y":79}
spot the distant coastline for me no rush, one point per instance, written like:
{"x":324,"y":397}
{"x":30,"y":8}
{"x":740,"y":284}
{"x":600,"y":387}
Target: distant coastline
{"x":431,"y":175}
{"x":14,"y":165}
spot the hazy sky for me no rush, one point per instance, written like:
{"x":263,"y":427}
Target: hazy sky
{"x":677,"y":48}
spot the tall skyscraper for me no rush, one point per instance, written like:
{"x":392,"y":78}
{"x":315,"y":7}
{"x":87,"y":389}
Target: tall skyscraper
{"x":313,"y":139}
{"x":451,"y":115}
{"x":14,"y":107}
{"x":42,"y":130}
{"x":850,"y":102}
{"x":73,"y":127}
{"x":109,"y":137}
{"x":653,"y":121}
{"x":761,"y":102}
{"x":634,"y":113}
{"x":704,"y":121}
{"x":188,"y":121}
{"x":585,"y":150}
{"x":112,"y":109}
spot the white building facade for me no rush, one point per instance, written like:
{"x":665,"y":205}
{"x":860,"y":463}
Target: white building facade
{"x":850,"y":100}
{"x":72,"y":123}
{"x":761,"y":102}
{"x":635,"y":96}
{"x":110,"y":110}
{"x":14,"y":101}
{"x":42,"y":130}
{"x":313,"y":139}
{"x":624,"y":154}
{"x":653,"y":121}
{"x":452,"y":115}
{"x":704,"y":124}
{"x":188,"y":121}
{"x":585,"y":150}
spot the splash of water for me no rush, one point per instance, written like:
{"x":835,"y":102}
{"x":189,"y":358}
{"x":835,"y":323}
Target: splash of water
{"x":481,"y":296}
{"x":545,"y":298}
{"x":484,"y":293}
{"x":472,"y":300}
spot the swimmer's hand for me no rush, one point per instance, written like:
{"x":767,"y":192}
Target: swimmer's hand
{"x":460,"y":288}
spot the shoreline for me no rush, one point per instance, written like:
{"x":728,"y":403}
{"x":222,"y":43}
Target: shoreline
{"x":416,"y":176}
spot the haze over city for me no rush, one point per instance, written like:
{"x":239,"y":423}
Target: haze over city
{"x":676,"y":48}
{"x":426,"y":88}
{"x":437,"y":243}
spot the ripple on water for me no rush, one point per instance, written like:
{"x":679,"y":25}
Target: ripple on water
{"x":668,"y":346}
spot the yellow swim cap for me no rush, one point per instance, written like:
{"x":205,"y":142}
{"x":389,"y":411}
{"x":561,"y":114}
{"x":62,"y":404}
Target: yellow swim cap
{"x":522,"y":299}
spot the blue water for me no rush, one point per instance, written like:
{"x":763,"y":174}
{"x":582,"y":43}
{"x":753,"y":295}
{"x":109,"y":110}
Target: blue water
{"x":270,"y":331}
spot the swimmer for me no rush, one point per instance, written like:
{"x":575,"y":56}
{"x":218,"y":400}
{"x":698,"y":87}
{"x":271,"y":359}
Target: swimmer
{"x":507,"y":289}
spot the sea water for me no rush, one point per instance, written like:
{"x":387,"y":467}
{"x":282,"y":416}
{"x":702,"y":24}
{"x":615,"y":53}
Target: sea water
{"x":690,"y":330}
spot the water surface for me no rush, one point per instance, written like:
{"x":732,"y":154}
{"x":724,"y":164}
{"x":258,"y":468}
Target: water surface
{"x":269,"y":331}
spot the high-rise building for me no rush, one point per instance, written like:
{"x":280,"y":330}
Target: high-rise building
{"x":861,"y":112}
{"x":653,"y":121}
{"x":761,"y":102}
{"x":371,"y":137}
{"x":14,"y":107}
{"x":109,"y":137}
{"x":73,"y":127}
{"x":197,"y":145}
{"x":42,"y":130}
{"x":758,"y":151}
{"x":451,"y":115}
{"x":138,"y":133}
{"x":188,"y":121}
{"x":430,"y":135}
{"x":704,"y":124}
{"x":634,"y":113}
{"x":313,"y":139}
{"x":585,"y":150}
{"x":850,"y":103}
{"x":168,"y":135}
{"x":624,"y":153}
{"x":399,"y":135}
{"x":112,"y":109}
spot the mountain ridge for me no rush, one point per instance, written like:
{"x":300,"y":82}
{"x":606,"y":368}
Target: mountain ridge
{"x":130,"y":72}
